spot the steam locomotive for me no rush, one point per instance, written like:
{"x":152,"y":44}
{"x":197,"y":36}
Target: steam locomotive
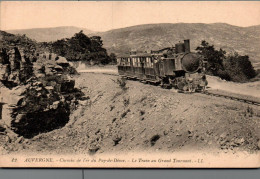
{"x":176,"y":67}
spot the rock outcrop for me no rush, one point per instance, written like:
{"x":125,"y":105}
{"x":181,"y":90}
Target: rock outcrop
{"x":37,"y":93}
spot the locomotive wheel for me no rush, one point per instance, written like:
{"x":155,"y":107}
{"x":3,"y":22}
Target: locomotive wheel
{"x":180,"y":85}
{"x":185,"y":88}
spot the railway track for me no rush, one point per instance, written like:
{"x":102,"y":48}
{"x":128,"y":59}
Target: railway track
{"x":210,"y":93}
{"x":243,"y":100}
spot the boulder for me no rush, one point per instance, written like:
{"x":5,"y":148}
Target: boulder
{"x":62,"y":61}
{"x":37,"y":93}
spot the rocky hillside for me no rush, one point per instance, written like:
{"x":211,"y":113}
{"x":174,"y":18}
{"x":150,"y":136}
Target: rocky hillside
{"x":36,"y":91}
{"x":244,"y":40}
{"x":50,"y":34}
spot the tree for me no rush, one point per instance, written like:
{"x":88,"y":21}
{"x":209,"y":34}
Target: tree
{"x":80,"y":42}
{"x":233,"y":67}
{"x":239,"y":67}
{"x":112,"y":57}
{"x":82,"y":48}
{"x":60,"y":47}
{"x":214,"y":57}
{"x":96,"y":43}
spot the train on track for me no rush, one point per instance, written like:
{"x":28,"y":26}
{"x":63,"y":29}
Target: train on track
{"x":176,"y":67}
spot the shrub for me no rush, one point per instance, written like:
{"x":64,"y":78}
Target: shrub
{"x":81,"y":48}
{"x":233,"y":67}
{"x":112,"y":57}
{"x":214,"y":57}
{"x":239,"y":68}
{"x":223,"y":74}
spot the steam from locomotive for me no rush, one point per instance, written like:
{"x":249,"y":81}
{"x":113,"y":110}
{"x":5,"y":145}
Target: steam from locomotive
{"x":170,"y":67}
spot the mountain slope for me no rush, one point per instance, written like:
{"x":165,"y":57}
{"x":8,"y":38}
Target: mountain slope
{"x":244,"y":40}
{"x":50,"y":34}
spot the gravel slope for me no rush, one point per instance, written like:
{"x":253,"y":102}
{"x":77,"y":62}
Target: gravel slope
{"x":146,"y":118}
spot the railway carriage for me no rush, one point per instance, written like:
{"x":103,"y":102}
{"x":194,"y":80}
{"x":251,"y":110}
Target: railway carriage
{"x":170,"y":67}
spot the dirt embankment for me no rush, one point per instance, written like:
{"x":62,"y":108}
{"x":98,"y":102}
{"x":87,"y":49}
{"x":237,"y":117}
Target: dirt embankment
{"x":248,"y":89}
{"x":214,"y":83}
{"x":144,"y":117}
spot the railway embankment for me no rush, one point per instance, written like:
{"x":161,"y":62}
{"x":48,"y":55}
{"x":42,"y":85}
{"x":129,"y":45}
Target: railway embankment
{"x":246,"y":91}
{"x":134,"y":116}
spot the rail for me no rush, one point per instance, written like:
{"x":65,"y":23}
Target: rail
{"x":209,"y":93}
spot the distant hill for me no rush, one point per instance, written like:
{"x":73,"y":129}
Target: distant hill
{"x":244,"y":40}
{"x":50,"y":34}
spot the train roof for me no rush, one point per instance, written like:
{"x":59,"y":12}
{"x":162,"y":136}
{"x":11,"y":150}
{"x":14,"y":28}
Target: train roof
{"x":135,"y":55}
{"x":141,"y":55}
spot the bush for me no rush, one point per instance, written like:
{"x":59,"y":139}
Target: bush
{"x":223,"y":74}
{"x":81,"y":48}
{"x":239,"y":68}
{"x":234,"y":67}
{"x":112,"y":57}
{"x":214,"y":57}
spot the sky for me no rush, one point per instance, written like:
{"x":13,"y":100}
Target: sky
{"x":107,"y":15}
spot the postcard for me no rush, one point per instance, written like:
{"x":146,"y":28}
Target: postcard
{"x":143,"y":84}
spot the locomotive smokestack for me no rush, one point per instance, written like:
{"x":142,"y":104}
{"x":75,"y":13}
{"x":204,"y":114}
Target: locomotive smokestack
{"x":187,"y":45}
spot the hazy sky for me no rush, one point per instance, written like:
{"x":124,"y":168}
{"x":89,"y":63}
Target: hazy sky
{"x":101,"y":16}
